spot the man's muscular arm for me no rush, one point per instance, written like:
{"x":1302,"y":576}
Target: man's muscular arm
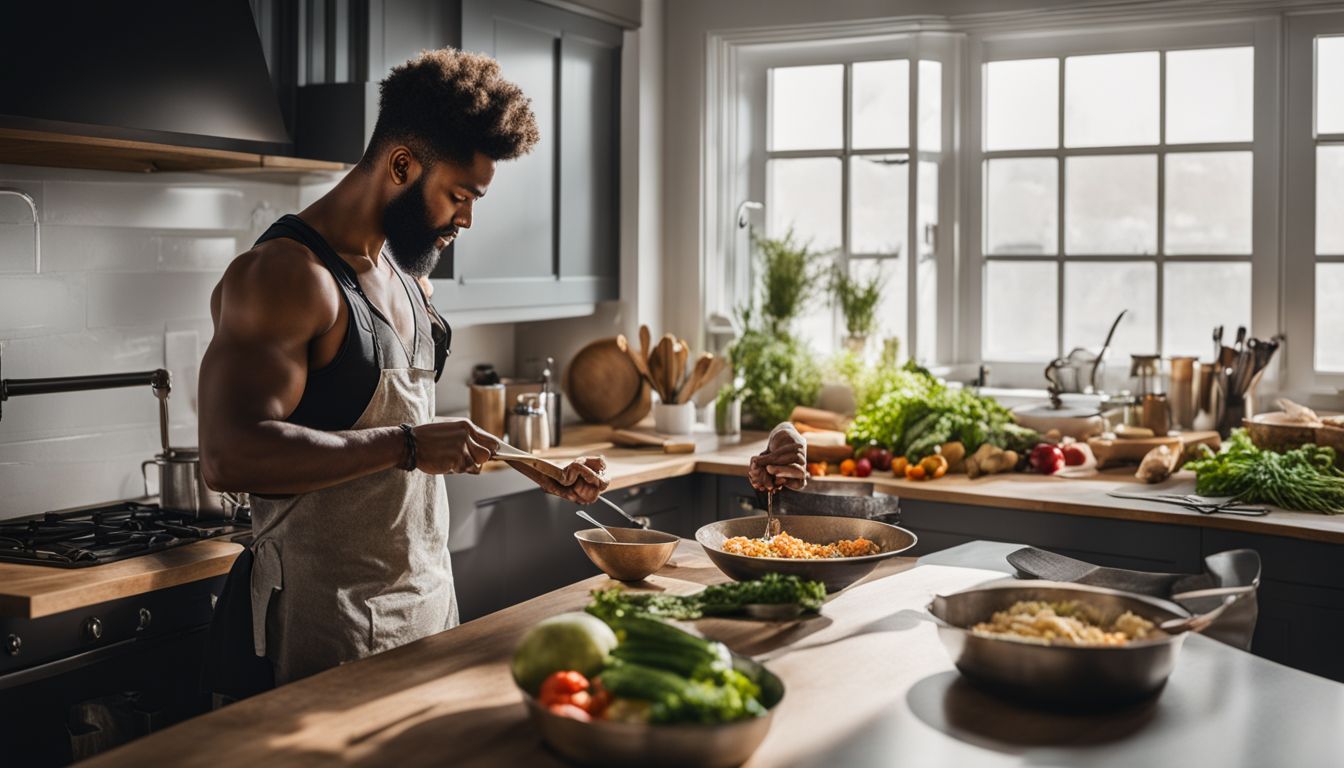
{"x":268,"y":308}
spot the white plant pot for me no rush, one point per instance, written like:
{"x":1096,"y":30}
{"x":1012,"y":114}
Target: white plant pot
{"x":674,"y":419}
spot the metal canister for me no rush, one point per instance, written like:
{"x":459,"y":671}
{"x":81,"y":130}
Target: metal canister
{"x":529,"y":427}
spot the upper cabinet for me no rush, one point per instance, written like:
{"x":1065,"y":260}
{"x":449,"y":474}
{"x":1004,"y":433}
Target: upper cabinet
{"x":543,"y":241}
{"x":546,"y":233}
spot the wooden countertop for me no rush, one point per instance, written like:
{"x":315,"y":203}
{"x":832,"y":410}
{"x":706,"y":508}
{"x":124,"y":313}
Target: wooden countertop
{"x":866,"y":682}
{"x":34,"y":591}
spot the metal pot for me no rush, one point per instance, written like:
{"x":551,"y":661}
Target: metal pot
{"x":183,"y":488}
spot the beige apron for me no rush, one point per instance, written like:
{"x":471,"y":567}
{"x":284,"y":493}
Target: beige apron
{"x":358,"y":568}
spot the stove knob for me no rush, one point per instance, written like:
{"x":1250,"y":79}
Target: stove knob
{"x":13,"y":644}
{"x":93,"y":628}
{"x":145,"y":618}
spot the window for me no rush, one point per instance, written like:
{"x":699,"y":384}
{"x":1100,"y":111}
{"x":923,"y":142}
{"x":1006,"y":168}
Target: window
{"x":1116,"y":180}
{"x":850,"y":139}
{"x":1329,"y":251}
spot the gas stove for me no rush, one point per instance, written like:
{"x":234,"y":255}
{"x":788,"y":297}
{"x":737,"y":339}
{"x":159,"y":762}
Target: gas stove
{"x":105,"y":534}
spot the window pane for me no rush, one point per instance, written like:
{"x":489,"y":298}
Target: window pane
{"x":891,"y":308}
{"x":806,"y":107}
{"x":1020,"y":311}
{"x":1111,"y":100}
{"x":1022,"y":104}
{"x":805,"y":195}
{"x":879,"y":188}
{"x":1021,"y":202}
{"x":881,"y":104}
{"x":1329,"y":317}
{"x":1209,"y":202}
{"x":926,"y":271}
{"x":1196,"y":296}
{"x":931,"y":106}
{"x":1210,"y":95}
{"x":1330,"y":199}
{"x":1330,"y":85}
{"x":1095,"y":292}
{"x":1110,"y":204}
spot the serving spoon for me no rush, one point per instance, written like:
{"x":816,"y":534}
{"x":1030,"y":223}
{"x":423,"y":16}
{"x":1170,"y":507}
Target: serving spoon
{"x":1200,"y":622}
{"x":581,"y":513}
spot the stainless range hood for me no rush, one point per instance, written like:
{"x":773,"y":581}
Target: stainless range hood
{"x":183,"y":73}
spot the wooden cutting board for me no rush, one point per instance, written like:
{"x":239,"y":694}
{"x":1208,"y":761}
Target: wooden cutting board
{"x":1120,"y":450}
{"x":629,"y":438}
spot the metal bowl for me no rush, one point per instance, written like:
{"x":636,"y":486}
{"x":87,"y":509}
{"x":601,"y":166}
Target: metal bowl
{"x":837,"y":573}
{"x":609,"y":743}
{"x":1090,"y":677}
{"x":634,"y":555}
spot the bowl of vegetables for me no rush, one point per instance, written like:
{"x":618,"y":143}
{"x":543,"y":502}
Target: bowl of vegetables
{"x":660,"y":696}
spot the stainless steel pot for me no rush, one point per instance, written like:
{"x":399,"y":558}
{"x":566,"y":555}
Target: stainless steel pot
{"x":1081,"y":677}
{"x":183,"y":488}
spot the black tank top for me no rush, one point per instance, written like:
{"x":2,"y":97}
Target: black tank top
{"x":336,"y":394}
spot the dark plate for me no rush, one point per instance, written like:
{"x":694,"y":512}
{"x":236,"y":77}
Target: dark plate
{"x":836,"y":573}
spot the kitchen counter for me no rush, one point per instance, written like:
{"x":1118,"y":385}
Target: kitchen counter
{"x":867,"y":683}
{"x":33,"y":591}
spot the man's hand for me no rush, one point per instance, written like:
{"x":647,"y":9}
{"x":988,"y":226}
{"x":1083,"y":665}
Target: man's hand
{"x":783,"y":463}
{"x":453,"y":447}
{"x":584,"y":478}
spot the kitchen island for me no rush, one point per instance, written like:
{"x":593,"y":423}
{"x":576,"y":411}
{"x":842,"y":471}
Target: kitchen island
{"x":867,"y":683}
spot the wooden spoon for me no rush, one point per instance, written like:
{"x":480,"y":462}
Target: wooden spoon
{"x":666,"y":354}
{"x":697,"y":379}
{"x":644,"y":343}
{"x":641,"y":364}
{"x":683,"y":357}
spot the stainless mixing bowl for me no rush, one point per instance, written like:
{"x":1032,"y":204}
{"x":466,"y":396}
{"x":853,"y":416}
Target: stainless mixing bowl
{"x":837,"y":573}
{"x":634,"y":555}
{"x":1090,"y":677}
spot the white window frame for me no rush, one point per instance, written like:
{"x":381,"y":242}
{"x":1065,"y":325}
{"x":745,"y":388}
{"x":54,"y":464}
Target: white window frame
{"x":736,"y":144}
{"x":1300,"y":257}
{"x":1261,"y":32}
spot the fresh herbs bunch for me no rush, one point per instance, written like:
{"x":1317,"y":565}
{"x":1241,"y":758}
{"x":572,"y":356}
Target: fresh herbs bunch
{"x":911,"y":412}
{"x":1303,"y":479}
{"x":790,"y":272}
{"x":778,"y":373}
{"x":714,"y":600}
{"x":857,"y":299}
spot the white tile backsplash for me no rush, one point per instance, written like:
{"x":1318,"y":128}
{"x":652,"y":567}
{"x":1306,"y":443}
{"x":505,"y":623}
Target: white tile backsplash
{"x":128,"y":266}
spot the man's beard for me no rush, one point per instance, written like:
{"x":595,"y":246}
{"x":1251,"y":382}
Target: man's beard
{"x":410,"y":235}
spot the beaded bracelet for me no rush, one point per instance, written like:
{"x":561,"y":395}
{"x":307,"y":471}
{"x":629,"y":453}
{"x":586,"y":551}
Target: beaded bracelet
{"x":410,"y":463}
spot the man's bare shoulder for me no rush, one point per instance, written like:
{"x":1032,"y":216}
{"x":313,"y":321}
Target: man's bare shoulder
{"x":280,"y":279}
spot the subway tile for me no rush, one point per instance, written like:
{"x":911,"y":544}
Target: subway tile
{"x":98,"y":249}
{"x":137,"y":204}
{"x":196,"y":253}
{"x":136,"y":299}
{"x":43,"y":475}
{"x":40,"y":305}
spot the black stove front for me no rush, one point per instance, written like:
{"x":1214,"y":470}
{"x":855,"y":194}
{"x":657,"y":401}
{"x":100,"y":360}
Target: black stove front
{"x":105,"y":534}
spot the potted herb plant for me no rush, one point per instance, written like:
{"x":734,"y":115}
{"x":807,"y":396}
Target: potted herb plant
{"x":857,"y":299}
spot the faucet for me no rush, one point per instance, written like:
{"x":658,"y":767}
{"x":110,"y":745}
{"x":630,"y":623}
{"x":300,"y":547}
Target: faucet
{"x":37,"y":227}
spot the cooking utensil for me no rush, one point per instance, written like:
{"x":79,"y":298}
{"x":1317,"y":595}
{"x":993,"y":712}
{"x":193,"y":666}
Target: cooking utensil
{"x":1078,"y":677}
{"x":634,"y":554}
{"x":640,"y":362}
{"x":607,"y":742}
{"x":529,"y":427}
{"x":182,"y":486}
{"x":593,"y":520}
{"x":631,"y":439}
{"x":699,"y":375}
{"x":644,"y":342}
{"x":514,"y":457}
{"x":1101,"y":356}
{"x":1200,"y":622}
{"x":837,"y":573}
{"x":622,"y":512}
{"x":1196,"y":504}
{"x":601,"y":383}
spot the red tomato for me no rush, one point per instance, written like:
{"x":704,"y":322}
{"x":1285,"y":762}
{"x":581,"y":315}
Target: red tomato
{"x":560,"y":687}
{"x":1074,"y":455}
{"x":1047,"y":459}
{"x":571,"y":711}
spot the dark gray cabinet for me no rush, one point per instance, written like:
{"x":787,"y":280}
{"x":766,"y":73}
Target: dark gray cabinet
{"x":546,"y":234}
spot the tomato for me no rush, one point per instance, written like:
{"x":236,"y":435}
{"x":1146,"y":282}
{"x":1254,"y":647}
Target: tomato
{"x":914,"y":472}
{"x":1046,"y":458}
{"x":1074,"y":455}
{"x":571,"y":711}
{"x":599,"y":700}
{"x":863,"y":468}
{"x":847,"y":467}
{"x":899,"y":465}
{"x":816,"y":469}
{"x":561,"y":687}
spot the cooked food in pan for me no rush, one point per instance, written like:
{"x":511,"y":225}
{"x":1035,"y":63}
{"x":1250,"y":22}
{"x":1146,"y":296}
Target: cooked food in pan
{"x":784,"y":545}
{"x":1064,"y":623}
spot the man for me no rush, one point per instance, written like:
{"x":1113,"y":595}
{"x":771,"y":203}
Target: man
{"x":783,"y":463}
{"x":317,"y":390}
